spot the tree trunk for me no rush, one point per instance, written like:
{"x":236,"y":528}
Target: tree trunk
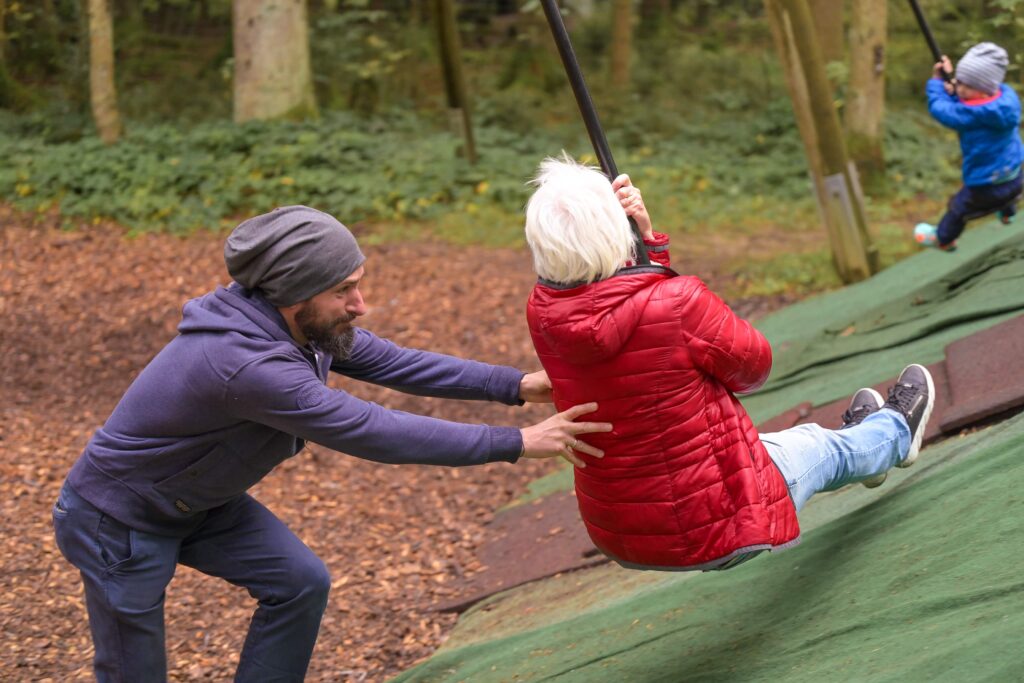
{"x":653,"y":15}
{"x":865,"y":99}
{"x":828,"y":22}
{"x":835,"y":181}
{"x":7,"y":84}
{"x":102,"y":91}
{"x":454,"y":82}
{"x":273,"y":77}
{"x":622,"y":43}
{"x":46,"y":29}
{"x":702,"y":13}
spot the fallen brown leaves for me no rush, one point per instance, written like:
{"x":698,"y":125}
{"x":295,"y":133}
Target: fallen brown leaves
{"x":84,"y":311}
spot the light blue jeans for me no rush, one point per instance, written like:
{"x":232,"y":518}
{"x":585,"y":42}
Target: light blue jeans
{"x":812,"y":458}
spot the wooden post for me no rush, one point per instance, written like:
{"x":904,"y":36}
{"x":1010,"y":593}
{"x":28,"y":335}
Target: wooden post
{"x":454,"y":82}
{"x":837,"y":189}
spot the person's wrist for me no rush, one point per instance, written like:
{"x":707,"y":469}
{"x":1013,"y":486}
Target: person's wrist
{"x":524,"y":387}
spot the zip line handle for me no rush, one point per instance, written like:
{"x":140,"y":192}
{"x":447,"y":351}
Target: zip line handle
{"x":929,"y":38}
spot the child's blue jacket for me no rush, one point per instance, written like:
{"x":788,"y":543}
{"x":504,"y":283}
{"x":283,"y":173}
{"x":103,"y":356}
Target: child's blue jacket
{"x":989,"y":132}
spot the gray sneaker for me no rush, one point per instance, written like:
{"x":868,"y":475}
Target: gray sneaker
{"x":913,"y":397}
{"x":863,"y":403}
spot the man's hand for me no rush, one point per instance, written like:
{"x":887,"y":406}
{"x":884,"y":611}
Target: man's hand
{"x":535,"y":388}
{"x":633,"y":204}
{"x":557,"y":436}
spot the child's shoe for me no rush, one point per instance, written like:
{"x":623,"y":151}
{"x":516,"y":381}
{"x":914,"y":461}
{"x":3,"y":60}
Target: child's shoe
{"x":927,"y":235}
{"x":863,"y":403}
{"x":1005,"y":217}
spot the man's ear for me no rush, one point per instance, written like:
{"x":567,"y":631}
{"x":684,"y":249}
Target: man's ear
{"x":289,"y":313}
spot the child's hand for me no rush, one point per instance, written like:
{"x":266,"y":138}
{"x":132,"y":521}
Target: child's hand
{"x":633,"y":204}
{"x":944,"y":66}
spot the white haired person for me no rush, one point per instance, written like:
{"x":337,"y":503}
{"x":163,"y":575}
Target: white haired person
{"x":686,"y":481}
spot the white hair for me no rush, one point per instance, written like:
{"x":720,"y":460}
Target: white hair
{"x":575,"y":226}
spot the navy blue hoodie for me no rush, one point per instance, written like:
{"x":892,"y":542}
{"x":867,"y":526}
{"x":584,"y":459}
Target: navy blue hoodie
{"x":233,"y":395}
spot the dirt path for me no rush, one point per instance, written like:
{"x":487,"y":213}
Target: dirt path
{"x":84,"y":311}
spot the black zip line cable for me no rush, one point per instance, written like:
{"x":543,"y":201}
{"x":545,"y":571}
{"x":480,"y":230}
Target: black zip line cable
{"x":923,"y":23}
{"x":588,"y":111}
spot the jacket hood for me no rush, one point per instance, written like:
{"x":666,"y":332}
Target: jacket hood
{"x":235,"y":309}
{"x":590,"y":323}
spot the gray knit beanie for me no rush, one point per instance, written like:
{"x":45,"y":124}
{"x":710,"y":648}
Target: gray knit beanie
{"x":983,"y":67}
{"x":291,"y":254}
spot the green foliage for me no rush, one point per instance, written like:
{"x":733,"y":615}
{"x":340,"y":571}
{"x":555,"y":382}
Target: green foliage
{"x":791,"y":273}
{"x":738,"y":172}
{"x":921,"y":156}
{"x":364,"y":57}
{"x":706,"y":129}
{"x":161,"y":177}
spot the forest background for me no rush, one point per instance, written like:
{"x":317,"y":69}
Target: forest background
{"x":691,"y":94}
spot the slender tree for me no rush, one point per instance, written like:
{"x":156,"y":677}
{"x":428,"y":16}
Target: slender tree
{"x":3,"y":29}
{"x":454,"y":81}
{"x":622,"y":42}
{"x":273,"y":77}
{"x":865,"y":99}
{"x":836,"y":185}
{"x":653,"y":14}
{"x":12,"y":94}
{"x":3,"y":35}
{"x":102,"y":91}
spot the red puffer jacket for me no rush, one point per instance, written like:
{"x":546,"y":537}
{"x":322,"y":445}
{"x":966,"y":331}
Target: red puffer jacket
{"x":685,"y":482}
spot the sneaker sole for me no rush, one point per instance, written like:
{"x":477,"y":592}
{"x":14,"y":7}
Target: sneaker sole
{"x":875,"y":481}
{"x":915,"y":446}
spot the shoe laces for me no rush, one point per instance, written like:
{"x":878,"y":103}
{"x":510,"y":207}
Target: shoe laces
{"x":852,"y":416}
{"x":902,"y":395}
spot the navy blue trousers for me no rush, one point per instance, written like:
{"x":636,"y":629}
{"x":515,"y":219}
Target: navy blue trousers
{"x":126,"y":571}
{"x":974,"y":202}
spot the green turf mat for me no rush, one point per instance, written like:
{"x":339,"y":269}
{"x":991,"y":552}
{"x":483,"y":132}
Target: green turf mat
{"x":833,"y":308}
{"x":916,"y":581}
{"x":827,"y":347}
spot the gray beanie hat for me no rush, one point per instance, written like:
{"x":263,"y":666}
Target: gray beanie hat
{"x":291,"y":254}
{"x":983,"y":67}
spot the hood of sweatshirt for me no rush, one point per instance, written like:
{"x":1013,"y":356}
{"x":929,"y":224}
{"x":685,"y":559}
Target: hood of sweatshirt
{"x":591,"y":323}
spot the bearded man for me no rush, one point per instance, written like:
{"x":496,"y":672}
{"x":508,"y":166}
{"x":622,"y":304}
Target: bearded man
{"x":240,"y":389}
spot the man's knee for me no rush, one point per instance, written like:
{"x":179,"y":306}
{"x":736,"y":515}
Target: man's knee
{"x":310,"y":581}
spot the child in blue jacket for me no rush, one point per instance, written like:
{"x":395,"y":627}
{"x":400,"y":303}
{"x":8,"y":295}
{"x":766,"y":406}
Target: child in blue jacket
{"x":985,"y":113}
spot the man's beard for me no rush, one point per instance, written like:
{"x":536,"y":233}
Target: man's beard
{"x":324,"y":333}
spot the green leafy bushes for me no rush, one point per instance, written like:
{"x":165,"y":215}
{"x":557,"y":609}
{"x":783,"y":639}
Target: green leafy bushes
{"x":736,"y":169}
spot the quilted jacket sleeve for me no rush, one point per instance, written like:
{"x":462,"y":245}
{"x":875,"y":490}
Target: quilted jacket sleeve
{"x":724,"y":345}
{"x":657,"y":249}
